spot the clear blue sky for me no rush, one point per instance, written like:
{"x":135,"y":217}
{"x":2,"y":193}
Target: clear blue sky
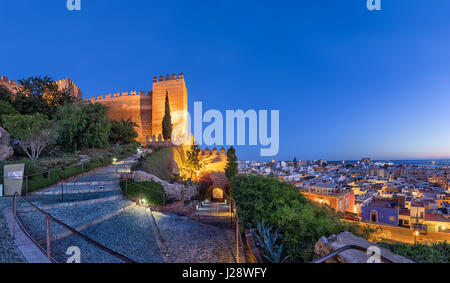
{"x":348,"y":82}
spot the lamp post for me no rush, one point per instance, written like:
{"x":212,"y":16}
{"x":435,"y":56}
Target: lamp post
{"x":416,"y":234}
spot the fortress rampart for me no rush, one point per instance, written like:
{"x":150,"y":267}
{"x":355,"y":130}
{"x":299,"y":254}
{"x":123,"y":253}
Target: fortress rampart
{"x":147,"y":108}
{"x":10,"y":85}
{"x":73,"y":89}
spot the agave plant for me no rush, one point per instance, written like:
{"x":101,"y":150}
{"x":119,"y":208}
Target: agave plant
{"x":268,"y":241}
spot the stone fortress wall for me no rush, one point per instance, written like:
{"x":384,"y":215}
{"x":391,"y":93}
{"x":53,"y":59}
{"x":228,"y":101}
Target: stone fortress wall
{"x":134,"y":105}
{"x":147,"y":108}
{"x":10,"y":85}
{"x":75,"y":91}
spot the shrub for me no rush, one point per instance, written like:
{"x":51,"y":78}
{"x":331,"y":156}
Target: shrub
{"x":280,"y":204}
{"x":92,"y":164}
{"x":422,"y":252}
{"x":41,"y":181}
{"x":152,"y":192}
{"x":70,"y":172}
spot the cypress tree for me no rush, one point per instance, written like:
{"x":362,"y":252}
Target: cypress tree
{"x":167,"y":121}
{"x":231,"y":169}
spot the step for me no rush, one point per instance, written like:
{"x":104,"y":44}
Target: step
{"x":78,"y":189}
{"x":67,"y":200}
{"x":78,"y":217}
{"x":129,"y":233}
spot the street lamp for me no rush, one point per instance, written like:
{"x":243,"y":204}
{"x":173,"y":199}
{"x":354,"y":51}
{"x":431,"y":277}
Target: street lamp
{"x":416,"y":234}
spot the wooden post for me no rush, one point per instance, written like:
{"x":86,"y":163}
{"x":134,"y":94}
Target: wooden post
{"x":237,"y":242}
{"x":49,"y":250}
{"x":14,"y":215}
{"x":26,"y":185}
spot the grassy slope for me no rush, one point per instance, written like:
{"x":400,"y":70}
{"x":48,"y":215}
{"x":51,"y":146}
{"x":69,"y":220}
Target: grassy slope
{"x":158,"y":163}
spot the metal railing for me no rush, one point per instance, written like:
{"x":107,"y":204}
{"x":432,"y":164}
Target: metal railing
{"x":239,"y":241}
{"x":343,"y":249}
{"x":48,"y":219}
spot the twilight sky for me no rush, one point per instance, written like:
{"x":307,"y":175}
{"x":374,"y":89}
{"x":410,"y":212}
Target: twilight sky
{"x":348,"y":82}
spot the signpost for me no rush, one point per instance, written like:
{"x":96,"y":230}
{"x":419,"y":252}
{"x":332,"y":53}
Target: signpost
{"x":13,"y":179}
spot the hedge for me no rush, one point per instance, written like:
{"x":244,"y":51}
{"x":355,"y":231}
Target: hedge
{"x":152,"y":192}
{"x":422,"y":252}
{"x":70,"y":172}
{"x":41,"y":181}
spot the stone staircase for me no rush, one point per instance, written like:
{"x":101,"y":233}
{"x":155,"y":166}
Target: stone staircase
{"x":92,"y":204}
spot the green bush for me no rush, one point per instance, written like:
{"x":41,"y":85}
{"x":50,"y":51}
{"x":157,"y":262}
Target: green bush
{"x":280,"y":204}
{"x":152,"y":192}
{"x":422,"y":252}
{"x":41,"y":181}
{"x":70,"y":172}
{"x":92,"y":164}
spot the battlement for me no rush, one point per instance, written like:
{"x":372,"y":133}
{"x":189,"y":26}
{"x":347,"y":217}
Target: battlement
{"x":207,"y":152}
{"x":11,"y":85}
{"x":168,"y":78}
{"x":66,"y":81}
{"x":118,"y":94}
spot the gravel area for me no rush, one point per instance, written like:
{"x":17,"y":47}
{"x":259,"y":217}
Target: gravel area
{"x":188,"y":241}
{"x":129,"y":233}
{"x":75,"y":217}
{"x":9,"y":253}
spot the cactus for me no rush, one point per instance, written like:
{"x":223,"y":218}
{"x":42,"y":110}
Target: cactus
{"x":268,"y":241}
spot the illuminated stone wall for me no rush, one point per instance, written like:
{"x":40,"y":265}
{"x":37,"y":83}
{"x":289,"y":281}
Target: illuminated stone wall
{"x":74,"y":90}
{"x":176,"y":88}
{"x":147,"y":108}
{"x":10,"y":85}
{"x":137,"y":106}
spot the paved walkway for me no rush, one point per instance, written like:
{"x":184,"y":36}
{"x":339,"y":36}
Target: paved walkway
{"x":93,"y":204}
{"x":9,"y":252}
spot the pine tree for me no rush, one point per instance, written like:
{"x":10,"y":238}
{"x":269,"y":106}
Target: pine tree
{"x":167,"y":121}
{"x":231,"y":169}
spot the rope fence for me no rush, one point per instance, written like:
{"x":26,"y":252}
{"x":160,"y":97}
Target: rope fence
{"x":49,"y":219}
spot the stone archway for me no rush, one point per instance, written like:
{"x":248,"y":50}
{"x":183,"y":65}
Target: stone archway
{"x":217,"y":194}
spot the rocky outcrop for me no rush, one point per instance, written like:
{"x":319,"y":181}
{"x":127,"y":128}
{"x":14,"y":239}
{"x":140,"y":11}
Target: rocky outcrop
{"x":326,"y":246}
{"x":175,"y":190}
{"x":6,"y":151}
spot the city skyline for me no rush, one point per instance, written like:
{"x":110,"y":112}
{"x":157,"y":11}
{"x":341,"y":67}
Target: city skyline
{"x":348,"y":82}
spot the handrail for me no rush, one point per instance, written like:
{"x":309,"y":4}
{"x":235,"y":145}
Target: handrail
{"x":49,"y":218}
{"x":343,"y":249}
{"x":238,"y":233}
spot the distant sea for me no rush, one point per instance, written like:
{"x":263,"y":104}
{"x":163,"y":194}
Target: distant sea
{"x":424,"y":162}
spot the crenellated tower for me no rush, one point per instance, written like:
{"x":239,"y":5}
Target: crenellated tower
{"x":147,"y":108}
{"x":175,"y":87}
